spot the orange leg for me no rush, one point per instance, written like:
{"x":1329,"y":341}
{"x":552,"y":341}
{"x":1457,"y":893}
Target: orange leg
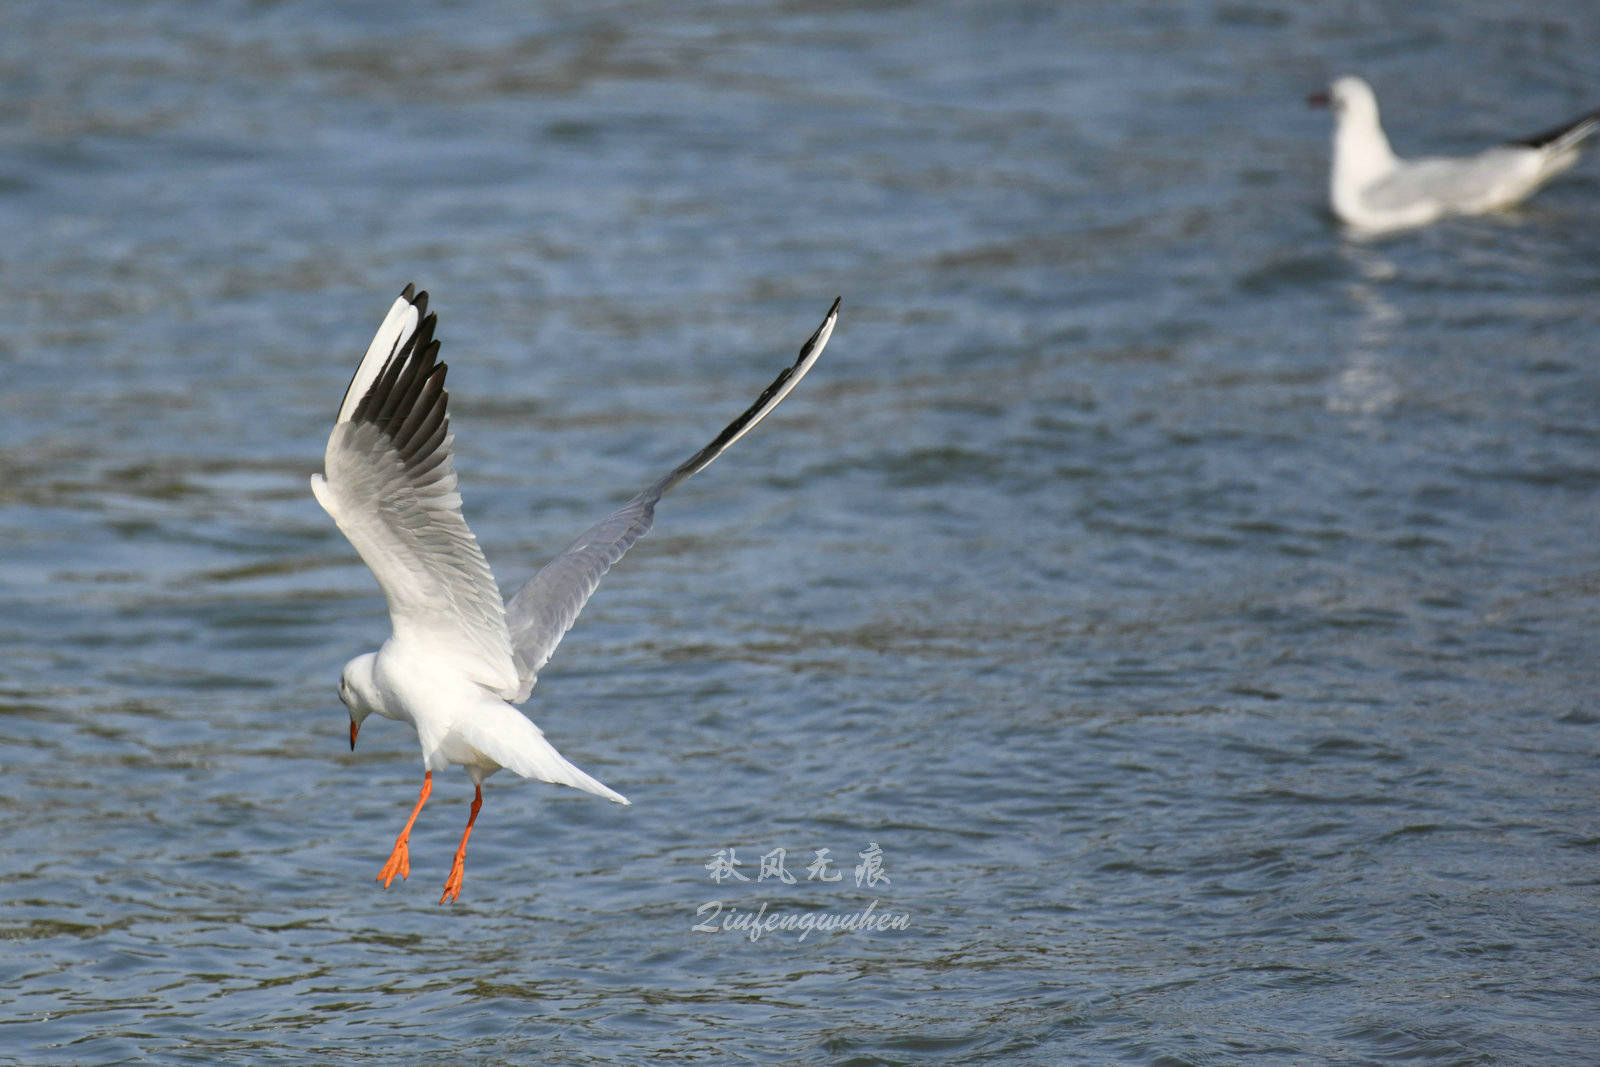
{"x":400,"y":859}
{"x":452,"y":885}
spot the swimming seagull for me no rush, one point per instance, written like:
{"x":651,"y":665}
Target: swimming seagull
{"x":459,"y":658}
{"x":1373,"y":191}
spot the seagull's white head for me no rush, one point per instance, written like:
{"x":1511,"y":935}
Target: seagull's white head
{"x":1361,"y":152}
{"x":1352,"y":99}
{"x":358,"y":691}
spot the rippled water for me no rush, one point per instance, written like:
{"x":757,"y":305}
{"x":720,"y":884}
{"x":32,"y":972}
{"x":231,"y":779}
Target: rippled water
{"x":1196,"y":610}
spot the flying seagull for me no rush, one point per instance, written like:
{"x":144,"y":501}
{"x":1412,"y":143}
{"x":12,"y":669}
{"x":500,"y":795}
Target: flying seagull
{"x":460,"y":659}
{"x":1373,"y":191}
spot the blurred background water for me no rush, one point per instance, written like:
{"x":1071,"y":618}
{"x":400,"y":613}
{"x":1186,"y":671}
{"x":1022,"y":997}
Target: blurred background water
{"x":1196,"y":608}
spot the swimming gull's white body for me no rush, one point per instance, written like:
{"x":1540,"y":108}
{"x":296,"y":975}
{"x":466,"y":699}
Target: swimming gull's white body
{"x":460,"y":658}
{"x":1373,"y":191}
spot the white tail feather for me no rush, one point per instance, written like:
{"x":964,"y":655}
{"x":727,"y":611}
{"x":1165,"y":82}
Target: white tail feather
{"x":509,"y":738}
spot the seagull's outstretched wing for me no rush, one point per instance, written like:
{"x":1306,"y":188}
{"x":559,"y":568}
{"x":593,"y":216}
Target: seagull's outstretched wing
{"x":389,"y":484}
{"x":545,"y":609}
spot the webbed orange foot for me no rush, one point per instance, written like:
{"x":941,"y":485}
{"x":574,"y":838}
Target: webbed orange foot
{"x":452,"y":885}
{"x":400,"y":859}
{"x":399,"y":863}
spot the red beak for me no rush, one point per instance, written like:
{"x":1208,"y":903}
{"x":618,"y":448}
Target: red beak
{"x":355,"y":728}
{"x":1317,"y":100}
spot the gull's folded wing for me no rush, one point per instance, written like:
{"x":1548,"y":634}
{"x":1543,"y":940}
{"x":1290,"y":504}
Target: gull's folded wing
{"x":389,"y":483}
{"x":545,"y":609}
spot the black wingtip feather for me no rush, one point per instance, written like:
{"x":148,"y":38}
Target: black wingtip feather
{"x":409,"y":370}
{"x":1539,"y":140}
{"x":429,"y":452}
{"x":700,"y":459}
{"x":378,"y":404}
{"x":407,"y":401}
{"x":426,"y":415}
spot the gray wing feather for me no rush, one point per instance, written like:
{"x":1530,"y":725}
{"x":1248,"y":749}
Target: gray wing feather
{"x":544,"y":610}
